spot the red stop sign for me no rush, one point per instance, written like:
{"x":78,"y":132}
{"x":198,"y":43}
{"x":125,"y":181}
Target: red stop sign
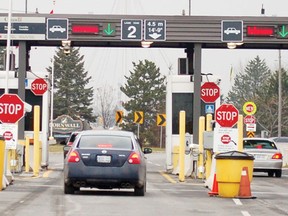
{"x":226,"y":139}
{"x":226,"y":115}
{"x":210,"y":91}
{"x":8,"y":135}
{"x":11,"y":108}
{"x":39,"y":86}
{"x":249,"y":119}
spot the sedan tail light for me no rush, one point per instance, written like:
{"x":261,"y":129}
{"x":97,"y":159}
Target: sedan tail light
{"x":277,"y":156}
{"x":134,"y":158}
{"x":73,"y":157}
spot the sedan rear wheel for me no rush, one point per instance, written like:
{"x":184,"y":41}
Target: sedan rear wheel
{"x":69,"y":189}
{"x":270,"y":173}
{"x":139,"y":191}
{"x":278,"y":173}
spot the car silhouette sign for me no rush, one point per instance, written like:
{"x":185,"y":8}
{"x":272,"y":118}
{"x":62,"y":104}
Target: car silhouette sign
{"x":232,"y":31}
{"x":57,"y":28}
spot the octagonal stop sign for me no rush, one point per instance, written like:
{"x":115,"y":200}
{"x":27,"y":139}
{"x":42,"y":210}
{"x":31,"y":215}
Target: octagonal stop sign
{"x":210,"y":91}
{"x":227,"y":115}
{"x":11,"y":108}
{"x":39,"y":86}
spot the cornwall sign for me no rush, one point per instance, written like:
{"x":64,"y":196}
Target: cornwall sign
{"x":65,"y":124}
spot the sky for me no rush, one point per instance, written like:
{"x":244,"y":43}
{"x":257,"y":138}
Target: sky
{"x":107,"y":66}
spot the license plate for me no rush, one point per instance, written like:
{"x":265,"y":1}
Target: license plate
{"x":103,"y":158}
{"x":260,"y":157}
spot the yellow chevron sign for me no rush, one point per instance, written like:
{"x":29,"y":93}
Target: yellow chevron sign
{"x":138,"y":117}
{"x":161,"y":119}
{"x":118,"y":117}
{"x":250,"y":134}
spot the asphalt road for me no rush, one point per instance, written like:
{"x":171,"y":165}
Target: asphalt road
{"x":43,"y":195}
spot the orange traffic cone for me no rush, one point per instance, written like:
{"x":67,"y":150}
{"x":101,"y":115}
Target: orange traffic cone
{"x":244,"y":189}
{"x":214,"y":191}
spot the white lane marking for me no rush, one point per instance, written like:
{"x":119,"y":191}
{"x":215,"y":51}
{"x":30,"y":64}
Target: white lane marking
{"x":237,"y":202}
{"x":245,"y":213}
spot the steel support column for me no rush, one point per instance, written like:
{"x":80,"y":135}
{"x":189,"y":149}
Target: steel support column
{"x":21,"y":81}
{"x":197,"y":87}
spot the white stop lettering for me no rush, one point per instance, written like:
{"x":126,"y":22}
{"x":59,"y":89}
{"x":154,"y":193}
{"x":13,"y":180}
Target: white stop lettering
{"x":12,"y":109}
{"x":226,"y":116}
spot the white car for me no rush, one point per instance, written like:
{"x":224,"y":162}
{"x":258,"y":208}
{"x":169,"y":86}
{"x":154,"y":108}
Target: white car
{"x":57,"y":28}
{"x":232,"y":31}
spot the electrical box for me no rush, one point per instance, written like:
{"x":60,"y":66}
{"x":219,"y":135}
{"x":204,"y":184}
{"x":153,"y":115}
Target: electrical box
{"x":208,"y":139}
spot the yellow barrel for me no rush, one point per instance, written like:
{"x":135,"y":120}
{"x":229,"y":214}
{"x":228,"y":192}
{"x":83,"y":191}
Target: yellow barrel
{"x":229,"y":167}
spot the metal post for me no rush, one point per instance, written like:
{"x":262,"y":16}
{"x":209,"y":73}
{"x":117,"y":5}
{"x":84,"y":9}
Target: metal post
{"x":21,"y":82}
{"x":8,"y":46}
{"x":161,"y":137}
{"x":197,"y":88}
{"x":138,"y":130}
{"x":279,"y":95}
{"x":190,"y":7}
{"x":52,"y":99}
{"x":26,"y":6}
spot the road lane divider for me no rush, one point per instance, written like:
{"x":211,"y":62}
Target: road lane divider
{"x":168,"y":177}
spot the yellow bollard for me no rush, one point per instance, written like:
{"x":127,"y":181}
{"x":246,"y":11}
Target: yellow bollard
{"x":182,"y":122}
{"x":9,"y":159}
{"x":208,"y":152}
{"x":240,"y":133}
{"x":175,"y":156}
{"x":201,"y":147}
{"x":27,"y":154}
{"x":2,"y":153}
{"x":36,"y":164}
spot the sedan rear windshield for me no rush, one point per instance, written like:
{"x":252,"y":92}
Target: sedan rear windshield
{"x":259,"y":144}
{"x":99,"y":141}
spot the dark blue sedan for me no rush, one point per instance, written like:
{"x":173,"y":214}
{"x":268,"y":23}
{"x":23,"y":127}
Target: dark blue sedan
{"x":106,"y":159}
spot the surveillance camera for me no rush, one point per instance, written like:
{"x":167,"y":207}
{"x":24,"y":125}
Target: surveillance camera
{"x":218,"y":81}
{"x":66,"y":50}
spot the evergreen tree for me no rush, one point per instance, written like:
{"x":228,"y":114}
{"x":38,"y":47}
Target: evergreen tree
{"x":71,"y":96}
{"x":146,"y":90}
{"x":257,"y":84}
{"x":268,"y":114}
{"x":248,"y":84}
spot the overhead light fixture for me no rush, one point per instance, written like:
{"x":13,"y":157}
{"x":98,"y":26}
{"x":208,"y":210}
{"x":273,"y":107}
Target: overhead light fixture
{"x":146,"y":44}
{"x":233,"y":45}
{"x":66,"y":43}
{"x":66,"y":47}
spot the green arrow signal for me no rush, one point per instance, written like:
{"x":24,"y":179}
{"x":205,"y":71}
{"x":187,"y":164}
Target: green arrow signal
{"x":109,"y":30}
{"x":283,"y":33}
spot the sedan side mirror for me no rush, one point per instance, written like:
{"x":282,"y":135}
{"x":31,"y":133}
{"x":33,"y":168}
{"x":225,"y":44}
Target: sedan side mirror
{"x":147,"y":151}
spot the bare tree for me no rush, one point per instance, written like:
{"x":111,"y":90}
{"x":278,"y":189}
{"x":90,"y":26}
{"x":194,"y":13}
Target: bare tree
{"x":106,"y":105}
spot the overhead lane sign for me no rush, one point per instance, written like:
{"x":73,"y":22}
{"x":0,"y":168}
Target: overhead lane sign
{"x":131,"y":30}
{"x":155,"y":30}
{"x":23,"y":28}
{"x":232,"y":30}
{"x":282,"y":31}
{"x":57,"y":29}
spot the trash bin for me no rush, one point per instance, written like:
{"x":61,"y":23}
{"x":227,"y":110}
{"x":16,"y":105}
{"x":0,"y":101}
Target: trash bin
{"x":229,"y":166}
